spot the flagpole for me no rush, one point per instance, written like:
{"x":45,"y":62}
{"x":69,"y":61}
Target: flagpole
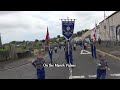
{"x":48,"y":41}
{"x":0,"y":40}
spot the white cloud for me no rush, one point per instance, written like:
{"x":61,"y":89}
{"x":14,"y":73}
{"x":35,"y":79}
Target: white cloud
{"x":31,"y":25}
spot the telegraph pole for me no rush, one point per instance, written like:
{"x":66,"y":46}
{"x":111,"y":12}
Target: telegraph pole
{"x":0,"y":40}
{"x":105,"y":27}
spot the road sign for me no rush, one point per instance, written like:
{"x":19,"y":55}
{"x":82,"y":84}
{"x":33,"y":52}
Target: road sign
{"x":68,"y":28}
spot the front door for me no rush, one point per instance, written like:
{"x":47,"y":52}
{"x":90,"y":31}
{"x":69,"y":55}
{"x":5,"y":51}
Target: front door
{"x":118,"y":33}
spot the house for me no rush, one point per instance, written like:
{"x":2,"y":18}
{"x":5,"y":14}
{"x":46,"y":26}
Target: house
{"x":109,"y":29}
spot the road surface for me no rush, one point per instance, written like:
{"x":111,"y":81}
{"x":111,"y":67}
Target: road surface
{"x":85,"y":67}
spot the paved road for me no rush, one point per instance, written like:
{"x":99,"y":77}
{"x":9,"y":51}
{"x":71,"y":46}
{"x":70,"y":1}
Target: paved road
{"x":85,"y":68}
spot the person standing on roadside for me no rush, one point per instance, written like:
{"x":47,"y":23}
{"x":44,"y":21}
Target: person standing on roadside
{"x":102,"y":67}
{"x":99,"y":40}
{"x":38,"y":63}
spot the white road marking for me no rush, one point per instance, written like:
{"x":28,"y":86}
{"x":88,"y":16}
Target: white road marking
{"x":70,"y":77}
{"x":70,"y":70}
{"x":115,"y":74}
{"x":86,"y":52}
{"x":76,"y":77}
{"x":92,"y":76}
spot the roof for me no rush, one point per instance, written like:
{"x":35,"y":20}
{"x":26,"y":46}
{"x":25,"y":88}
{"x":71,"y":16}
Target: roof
{"x":110,"y":16}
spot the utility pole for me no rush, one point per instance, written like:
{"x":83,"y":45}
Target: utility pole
{"x":0,"y":41}
{"x":105,"y":27}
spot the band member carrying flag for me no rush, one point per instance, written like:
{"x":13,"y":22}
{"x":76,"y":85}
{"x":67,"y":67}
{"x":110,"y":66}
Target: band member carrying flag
{"x":47,"y":42}
{"x":93,"y":47}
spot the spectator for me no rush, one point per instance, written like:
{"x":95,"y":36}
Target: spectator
{"x":38,"y":64}
{"x":99,"y":40}
{"x":101,"y":67}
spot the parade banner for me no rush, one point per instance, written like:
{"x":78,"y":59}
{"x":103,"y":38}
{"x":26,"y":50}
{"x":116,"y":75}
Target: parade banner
{"x":68,"y":28}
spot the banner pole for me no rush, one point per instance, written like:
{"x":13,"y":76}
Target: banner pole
{"x":69,"y":50}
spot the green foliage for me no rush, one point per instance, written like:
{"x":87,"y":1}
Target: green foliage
{"x":58,"y":36}
{"x":43,"y":41}
{"x":4,"y":53}
{"x":74,"y":35}
{"x":53,"y":40}
{"x":20,"y":50}
{"x":36,"y":40}
{"x":79,"y":33}
{"x":13,"y":42}
{"x":30,"y":48}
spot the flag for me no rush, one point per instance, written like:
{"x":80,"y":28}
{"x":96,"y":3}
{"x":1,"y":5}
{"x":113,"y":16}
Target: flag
{"x":47,"y":37}
{"x":94,"y":32}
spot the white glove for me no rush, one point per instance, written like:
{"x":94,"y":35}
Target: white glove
{"x":108,"y":68}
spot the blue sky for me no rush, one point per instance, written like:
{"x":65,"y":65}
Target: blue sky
{"x":31,"y":25}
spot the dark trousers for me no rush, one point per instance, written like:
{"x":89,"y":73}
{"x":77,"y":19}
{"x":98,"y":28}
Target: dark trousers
{"x":41,"y":73}
{"x":55,"y":51}
{"x":64,"y":49}
{"x":81,"y":44}
{"x":99,"y":42}
{"x":69,"y":57}
{"x":101,"y":74}
{"x":74,"y":48}
{"x":50,"y":55}
{"x":60,"y":47}
{"x":85,"y":47}
{"x":93,"y":51}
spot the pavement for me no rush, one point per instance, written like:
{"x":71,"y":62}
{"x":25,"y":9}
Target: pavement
{"x":114,"y":50}
{"x":85,"y":67}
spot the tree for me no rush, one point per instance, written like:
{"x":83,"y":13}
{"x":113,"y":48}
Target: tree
{"x":53,"y":40}
{"x":86,"y":30}
{"x":13,"y":42}
{"x":79,"y":33}
{"x":43,"y":41}
{"x":74,"y":35}
{"x":36,"y":40}
{"x":58,"y":36}
{"x":63,"y":38}
{"x":23,"y":41}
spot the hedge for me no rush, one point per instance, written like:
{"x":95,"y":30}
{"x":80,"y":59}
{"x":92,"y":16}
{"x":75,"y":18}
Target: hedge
{"x":4,"y":53}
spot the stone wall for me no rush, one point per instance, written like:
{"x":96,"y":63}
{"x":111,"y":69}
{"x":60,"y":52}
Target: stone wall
{"x":13,"y":53}
{"x":1,"y":58}
{"x":110,"y":44}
